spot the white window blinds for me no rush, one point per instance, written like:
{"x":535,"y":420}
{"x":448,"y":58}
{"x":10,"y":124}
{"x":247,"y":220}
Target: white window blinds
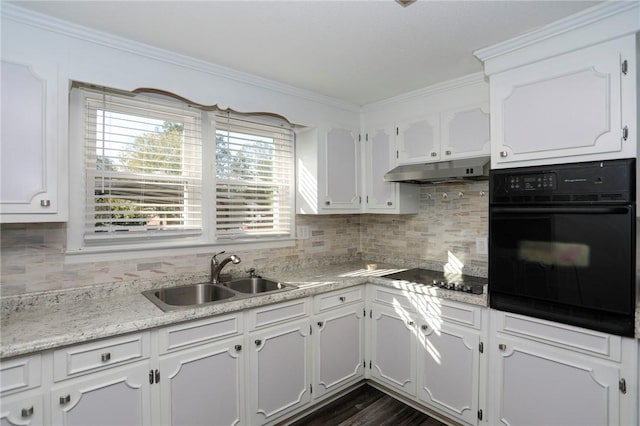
{"x":142,"y":166}
{"x":254,"y":176}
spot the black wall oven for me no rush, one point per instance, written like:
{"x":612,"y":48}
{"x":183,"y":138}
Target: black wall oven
{"x":562,"y":243}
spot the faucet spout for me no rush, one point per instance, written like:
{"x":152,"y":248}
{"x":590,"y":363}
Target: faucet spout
{"x":216,"y":267}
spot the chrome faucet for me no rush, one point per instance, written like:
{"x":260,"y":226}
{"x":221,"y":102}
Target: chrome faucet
{"x":216,"y":266}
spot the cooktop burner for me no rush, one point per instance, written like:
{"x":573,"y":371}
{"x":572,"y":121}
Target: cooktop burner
{"x":464,"y":283}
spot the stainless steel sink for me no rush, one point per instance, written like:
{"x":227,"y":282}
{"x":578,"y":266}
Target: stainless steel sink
{"x":188,"y":295}
{"x":256,"y":285}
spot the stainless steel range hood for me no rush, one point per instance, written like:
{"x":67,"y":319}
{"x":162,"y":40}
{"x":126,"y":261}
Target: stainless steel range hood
{"x":443,"y":171}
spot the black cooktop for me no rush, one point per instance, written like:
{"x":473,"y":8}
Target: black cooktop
{"x":455,"y":282}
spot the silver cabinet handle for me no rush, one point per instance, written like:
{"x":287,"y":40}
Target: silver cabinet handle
{"x":258,"y":342}
{"x":106,"y":357}
{"x":389,"y":203}
{"x":65,"y":399}
{"x":27,"y":412}
{"x":424,"y":327}
{"x":238,"y":348}
{"x":434,"y":154}
{"x":502,"y":347}
{"x":342,"y":298}
{"x":625,"y":132}
{"x":503,"y":154}
{"x":320,"y":323}
{"x":410,"y":323}
{"x":45,"y":203}
{"x":327,"y":203}
{"x":447,"y":152}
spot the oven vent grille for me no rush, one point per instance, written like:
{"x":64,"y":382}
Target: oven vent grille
{"x":616,"y":196}
{"x":585,"y":197}
{"x":542,"y":198}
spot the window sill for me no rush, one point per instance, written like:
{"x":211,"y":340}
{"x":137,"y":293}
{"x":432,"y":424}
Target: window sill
{"x":128,"y":252}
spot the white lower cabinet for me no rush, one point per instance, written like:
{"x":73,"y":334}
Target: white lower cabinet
{"x":119,"y":396}
{"x":429,"y":349}
{"x":278,"y":371}
{"x":278,"y":341}
{"x":393,"y":347}
{"x":449,"y":370}
{"x":551,"y":374}
{"x":261,"y":366}
{"x":203,"y":384}
{"x":22,"y":410}
{"x":338,"y":340}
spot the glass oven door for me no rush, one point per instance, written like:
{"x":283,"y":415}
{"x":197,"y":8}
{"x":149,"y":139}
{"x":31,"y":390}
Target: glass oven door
{"x":563,"y":263}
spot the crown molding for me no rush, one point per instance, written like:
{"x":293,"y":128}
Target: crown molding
{"x":566,"y":25}
{"x":65,"y":28}
{"x":467,"y":80}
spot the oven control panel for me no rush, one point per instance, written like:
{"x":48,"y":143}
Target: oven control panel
{"x":533,"y":182}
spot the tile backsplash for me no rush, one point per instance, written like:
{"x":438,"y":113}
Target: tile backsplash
{"x":32,"y":255}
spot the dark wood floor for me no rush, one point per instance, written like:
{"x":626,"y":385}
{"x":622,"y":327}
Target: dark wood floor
{"x":367,"y":406}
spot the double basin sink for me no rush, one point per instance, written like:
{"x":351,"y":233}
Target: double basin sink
{"x":192,"y":295}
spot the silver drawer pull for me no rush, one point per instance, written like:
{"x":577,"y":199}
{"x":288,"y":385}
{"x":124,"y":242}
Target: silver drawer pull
{"x":27,"y":412}
{"x":65,"y":399}
{"x":424,"y":326}
{"x":45,"y":203}
{"x":106,"y":357}
{"x":411,"y":323}
{"x":502,"y":347}
{"x":342,"y":298}
{"x":503,"y":154}
{"x":434,"y":154}
{"x":447,"y":152}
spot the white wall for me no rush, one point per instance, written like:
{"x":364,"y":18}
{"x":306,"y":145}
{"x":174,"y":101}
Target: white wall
{"x":97,"y":58}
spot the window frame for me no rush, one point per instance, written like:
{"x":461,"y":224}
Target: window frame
{"x":152,"y":246}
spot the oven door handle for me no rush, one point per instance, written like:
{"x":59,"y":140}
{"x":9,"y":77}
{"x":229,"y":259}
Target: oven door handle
{"x":566,"y":210}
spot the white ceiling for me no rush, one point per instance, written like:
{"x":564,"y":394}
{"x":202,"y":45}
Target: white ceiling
{"x":359,"y":51}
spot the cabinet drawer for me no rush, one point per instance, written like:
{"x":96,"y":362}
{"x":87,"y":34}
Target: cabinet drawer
{"x":82,"y":359}
{"x":447,"y":311}
{"x":274,"y":314}
{"x":575,"y":339}
{"x":197,"y":332}
{"x":335,"y":299}
{"x":20,"y":374}
{"x":391,"y":297}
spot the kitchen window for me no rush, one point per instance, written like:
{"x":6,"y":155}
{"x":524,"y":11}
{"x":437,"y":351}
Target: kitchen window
{"x":151,"y":171}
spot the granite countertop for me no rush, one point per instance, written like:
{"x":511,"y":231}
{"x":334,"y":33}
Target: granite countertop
{"x":48,"y":320}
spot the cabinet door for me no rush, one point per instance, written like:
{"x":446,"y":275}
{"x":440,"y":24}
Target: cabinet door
{"x":109,"y":398}
{"x":449,"y":369}
{"x":341,"y":171}
{"x":465,"y":133}
{"x":418,"y":141}
{"x":203,"y":385}
{"x":564,"y":106}
{"x":19,"y":410}
{"x":29,"y":147}
{"x":339,"y":348}
{"x":537,"y":384}
{"x":393,"y":346}
{"x":278,"y":371}
{"x":380,"y":195}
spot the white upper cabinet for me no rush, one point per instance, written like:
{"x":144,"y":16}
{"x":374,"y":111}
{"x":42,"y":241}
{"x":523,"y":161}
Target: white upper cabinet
{"x":418,"y":141}
{"x":30,"y":144}
{"x":328,"y":171}
{"x":379,"y":158}
{"x":566,"y":92}
{"x":453,"y":134}
{"x":565,"y":106}
{"x":465,"y":132}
